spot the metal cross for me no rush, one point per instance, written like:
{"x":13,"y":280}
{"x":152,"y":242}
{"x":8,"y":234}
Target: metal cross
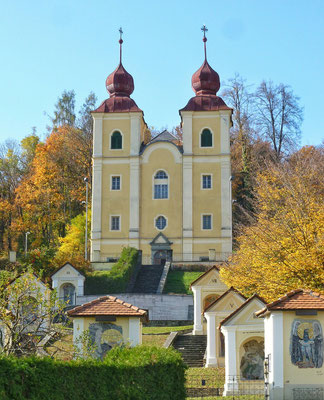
{"x":204,"y":29}
{"x":121,"y":32}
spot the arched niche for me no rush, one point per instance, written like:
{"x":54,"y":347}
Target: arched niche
{"x":252,"y":358}
{"x":68,"y":293}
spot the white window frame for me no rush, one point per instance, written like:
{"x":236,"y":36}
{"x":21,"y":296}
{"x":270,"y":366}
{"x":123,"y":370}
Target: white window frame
{"x":202,"y":222}
{"x":120,"y":182}
{"x":162,"y":182}
{"x":116,"y":130}
{"x":212,"y":132}
{"x":202,"y":180}
{"x":166,"y":220}
{"x":110,"y":223}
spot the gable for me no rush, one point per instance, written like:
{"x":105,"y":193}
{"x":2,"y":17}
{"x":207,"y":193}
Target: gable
{"x":160,"y":239}
{"x":67,"y":271}
{"x":211,"y":280}
{"x":229,"y":303}
{"x":246,"y":315}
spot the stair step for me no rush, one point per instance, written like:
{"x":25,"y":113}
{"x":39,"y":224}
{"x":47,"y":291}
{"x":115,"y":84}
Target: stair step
{"x":148,"y":279}
{"x":192,"y":349}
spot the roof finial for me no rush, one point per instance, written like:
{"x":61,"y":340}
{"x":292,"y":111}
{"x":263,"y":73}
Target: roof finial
{"x":120,"y":43}
{"x":204,"y":29}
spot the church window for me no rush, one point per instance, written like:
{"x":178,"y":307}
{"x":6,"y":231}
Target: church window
{"x":206,"y":138}
{"x":160,"y":222}
{"x":116,"y":141}
{"x":115,"y":183}
{"x":206,"y":222}
{"x":206,"y":181}
{"x":161,"y":185}
{"x":115,"y":223}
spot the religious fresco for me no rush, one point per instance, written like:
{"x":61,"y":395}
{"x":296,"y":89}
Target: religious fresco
{"x":306,"y":343}
{"x":105,"y":336}
{"x":252,"y":360}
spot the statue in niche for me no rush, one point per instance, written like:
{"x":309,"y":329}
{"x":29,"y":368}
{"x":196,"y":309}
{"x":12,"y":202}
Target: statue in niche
{"x":252,"y":361}
{"x":306,"y":343}
{"x":105,"y":336}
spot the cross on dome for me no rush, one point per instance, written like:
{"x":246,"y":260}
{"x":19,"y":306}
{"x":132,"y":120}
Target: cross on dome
{"x":204,"y":29}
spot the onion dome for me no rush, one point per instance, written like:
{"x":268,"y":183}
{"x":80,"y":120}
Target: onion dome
{"x":120,"y":85}
{"x":120,"y":82}
{"x":205,"y":81}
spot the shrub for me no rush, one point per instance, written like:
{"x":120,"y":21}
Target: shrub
{"x":115,"y":280}
{"x":140,"y":373}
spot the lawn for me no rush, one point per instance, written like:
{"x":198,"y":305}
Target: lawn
{"x":154,"y":340}
{"x":159,"y":330}
{"x":179,"y":281}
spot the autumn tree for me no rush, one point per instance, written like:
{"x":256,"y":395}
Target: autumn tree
{"x":283,"y":247}
{"x":27,"y":310}
{"x":278,"y":116}
{"x":72,"y":246}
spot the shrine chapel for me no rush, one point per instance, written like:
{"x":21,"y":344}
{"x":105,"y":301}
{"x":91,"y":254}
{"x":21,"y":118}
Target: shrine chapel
{"x":167,"y":196}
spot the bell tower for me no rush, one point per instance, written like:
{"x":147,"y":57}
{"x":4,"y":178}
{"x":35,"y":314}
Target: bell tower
{"x":117,"y":136}
{"x":206,"y":121}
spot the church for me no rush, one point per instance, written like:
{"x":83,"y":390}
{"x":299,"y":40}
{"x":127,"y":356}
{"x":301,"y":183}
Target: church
{"x":168,"y":197}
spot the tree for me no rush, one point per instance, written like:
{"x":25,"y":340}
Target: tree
{"x":27,"y":310}
{"x":72,"y":246}
{"x":278,"y":116}
{"x":64,"y":113}
{"x":283,"y":248}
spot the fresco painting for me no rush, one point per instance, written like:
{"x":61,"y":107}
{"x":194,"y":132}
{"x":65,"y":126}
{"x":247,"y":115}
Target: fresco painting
{"x":105,"y":336}
{"x":306,"y":344}
{"x":252,"y":361}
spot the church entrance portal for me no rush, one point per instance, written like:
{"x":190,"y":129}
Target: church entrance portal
{"x":161,"y":249}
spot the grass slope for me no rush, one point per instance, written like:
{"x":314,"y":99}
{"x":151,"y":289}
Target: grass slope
{"x":179,"y":281}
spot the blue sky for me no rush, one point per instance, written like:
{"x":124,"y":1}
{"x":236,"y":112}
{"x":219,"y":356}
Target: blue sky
{"x":49,"y":46}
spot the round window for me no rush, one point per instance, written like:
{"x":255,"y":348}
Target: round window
{"x":160,"y":222}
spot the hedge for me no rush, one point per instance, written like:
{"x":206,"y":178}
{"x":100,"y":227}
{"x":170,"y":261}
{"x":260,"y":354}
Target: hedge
{"x":115,"y":280}
{"x":140,"y":373}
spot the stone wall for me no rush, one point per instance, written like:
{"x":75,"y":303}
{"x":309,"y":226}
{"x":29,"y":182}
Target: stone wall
{"x":160,"y":306}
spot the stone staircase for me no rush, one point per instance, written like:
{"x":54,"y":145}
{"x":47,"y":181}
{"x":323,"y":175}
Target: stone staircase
{"x":148,"y":279}
{"x":192,"y":349}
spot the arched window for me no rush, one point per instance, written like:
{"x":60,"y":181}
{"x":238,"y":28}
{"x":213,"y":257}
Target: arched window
{"x":161,"y":185}
{"x":68,"y":294}
{"x":116,"y":141}
{"x":206,"y":138}
{"x":160,"y":222}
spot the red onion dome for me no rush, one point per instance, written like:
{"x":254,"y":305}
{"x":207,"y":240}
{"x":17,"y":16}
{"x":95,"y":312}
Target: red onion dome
{"x":120,"y":82}
{"x":205,"y":81}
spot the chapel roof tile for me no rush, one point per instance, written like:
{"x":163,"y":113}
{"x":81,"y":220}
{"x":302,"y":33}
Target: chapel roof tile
{"x":107,"y":305}
{"x":298,"y":299}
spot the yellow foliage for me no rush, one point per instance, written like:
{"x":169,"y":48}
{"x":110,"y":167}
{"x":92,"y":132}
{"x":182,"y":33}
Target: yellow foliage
{"x":283,"y":248}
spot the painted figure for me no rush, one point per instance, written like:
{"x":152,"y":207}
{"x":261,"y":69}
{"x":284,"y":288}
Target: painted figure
{"x":105,"y":336}
{"x":306,"y":344}
{"x":252,"y":361}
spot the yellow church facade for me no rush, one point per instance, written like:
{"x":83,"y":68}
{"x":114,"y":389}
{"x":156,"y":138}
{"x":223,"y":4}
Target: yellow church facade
{"x":170,"y":198}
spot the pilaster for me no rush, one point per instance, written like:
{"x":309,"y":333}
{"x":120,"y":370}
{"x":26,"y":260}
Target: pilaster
{"x":211,"y":360}
{"x":134,"y":201}
{"x":231,"y":381}
{"x":197,"y":329}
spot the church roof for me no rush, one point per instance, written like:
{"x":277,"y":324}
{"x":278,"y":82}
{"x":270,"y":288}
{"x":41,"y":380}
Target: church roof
{"x":231,"y":289}
{"x":255,"y":296}
{"x":206,"y":103}
{"x":117,"y":104}
{"x":107,"y":305}
{"x":298,"y":299}
{"x":164,"y":136}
